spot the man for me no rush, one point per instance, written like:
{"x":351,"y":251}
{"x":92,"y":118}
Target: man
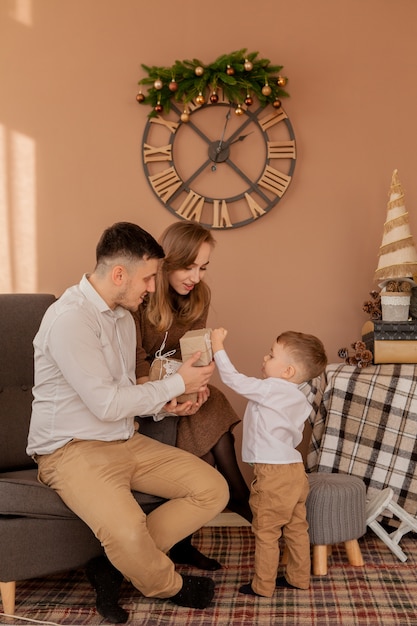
{"x":82,"y":432}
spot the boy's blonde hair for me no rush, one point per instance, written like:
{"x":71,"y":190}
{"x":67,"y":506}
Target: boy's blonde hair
{"x":306,"y":350}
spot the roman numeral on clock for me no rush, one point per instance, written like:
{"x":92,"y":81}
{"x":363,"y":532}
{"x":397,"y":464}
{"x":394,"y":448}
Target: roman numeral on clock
{"x":254,"y":207}
{"x":281,"y":149}
{"x":274,"y":181}
{"x":170,"y":125}
{"x":270,"y":120}
{"x":221,"y":218}
{"x":165,"y":183}
{"x":152,"y":154}
{"x":192,"y":207}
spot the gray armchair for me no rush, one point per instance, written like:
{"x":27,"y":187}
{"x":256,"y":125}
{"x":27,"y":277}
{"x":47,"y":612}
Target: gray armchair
{"x":39,"y":535}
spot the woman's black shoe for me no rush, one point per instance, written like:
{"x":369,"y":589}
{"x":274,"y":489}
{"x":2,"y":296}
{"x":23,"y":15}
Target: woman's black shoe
{"x":184,"y":553}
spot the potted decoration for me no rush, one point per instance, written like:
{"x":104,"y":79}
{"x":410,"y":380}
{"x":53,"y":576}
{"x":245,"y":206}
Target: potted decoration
{"x":395,"y":300}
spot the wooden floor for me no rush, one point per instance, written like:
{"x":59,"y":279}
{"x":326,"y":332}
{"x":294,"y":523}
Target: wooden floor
{"x":227,"y":518}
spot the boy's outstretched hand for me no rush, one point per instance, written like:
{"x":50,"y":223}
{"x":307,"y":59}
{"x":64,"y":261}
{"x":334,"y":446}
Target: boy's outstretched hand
{"x":218,"y":335}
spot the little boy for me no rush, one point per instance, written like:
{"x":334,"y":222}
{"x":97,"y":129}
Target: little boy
{"x":272,"y":428}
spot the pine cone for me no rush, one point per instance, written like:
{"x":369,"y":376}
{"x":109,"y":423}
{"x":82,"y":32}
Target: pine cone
{"x":359,"y":346}
{"x":404,"y":286}
{"x":391,"y":286}
{"x":376,"y":314}
{"x":367,"y":356}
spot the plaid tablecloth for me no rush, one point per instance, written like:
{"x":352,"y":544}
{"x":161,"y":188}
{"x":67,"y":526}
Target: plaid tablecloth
{"x":366,"y":426}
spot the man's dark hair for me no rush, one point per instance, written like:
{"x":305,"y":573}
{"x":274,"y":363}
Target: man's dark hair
{"x":127,"y":240}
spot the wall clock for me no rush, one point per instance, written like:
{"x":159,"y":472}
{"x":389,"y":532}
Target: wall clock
{"x":226,"y":167}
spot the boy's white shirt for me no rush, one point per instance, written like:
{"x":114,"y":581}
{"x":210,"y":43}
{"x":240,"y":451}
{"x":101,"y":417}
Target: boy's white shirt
{"x":274,"y":418}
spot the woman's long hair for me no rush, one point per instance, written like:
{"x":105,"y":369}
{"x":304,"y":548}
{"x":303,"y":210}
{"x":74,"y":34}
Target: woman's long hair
{"x":181,"y":242}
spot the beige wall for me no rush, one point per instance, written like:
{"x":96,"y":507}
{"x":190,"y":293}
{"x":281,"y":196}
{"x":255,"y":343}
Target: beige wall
{"x":70,"y":134}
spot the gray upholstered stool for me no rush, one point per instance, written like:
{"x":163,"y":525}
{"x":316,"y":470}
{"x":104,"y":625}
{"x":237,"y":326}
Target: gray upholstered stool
{"x":336,"y":513}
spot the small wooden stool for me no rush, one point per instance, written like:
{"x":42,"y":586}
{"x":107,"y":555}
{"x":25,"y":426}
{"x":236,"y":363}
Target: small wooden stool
{"x":375,"y":507}
{"x":336,"y":508}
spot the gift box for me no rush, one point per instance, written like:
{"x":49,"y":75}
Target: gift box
{"x":197,"y":341}
{"x":162,"y":367}
{"x":391,"y":342}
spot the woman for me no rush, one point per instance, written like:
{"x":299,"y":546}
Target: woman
{"x":181,"y":303}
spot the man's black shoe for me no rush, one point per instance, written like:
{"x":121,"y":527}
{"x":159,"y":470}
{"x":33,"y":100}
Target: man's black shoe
{"x":196,"y":592}
{"x":106,"y":580}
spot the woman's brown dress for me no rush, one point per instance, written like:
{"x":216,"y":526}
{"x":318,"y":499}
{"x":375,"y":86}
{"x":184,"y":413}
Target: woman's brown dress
{"x":196,"y":433}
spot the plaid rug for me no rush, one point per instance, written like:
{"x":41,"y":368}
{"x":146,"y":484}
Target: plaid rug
{"x":383,"y":592}
{"x":367,"y":426}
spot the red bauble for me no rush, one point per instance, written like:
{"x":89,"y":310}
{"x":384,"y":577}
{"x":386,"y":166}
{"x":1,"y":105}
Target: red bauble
{"x":140,"y":97}
{"x":173,"y":85}
{"x":229,"y":70}
{"x":214,"y":98}
{"x":248,"y":101}
{"x":276,"y":103}
{"x":158,"y":108}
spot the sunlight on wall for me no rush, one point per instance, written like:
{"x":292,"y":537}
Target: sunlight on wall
{"x":18,"y":259}
{"x":5,"y":261}
{"x":21,"y":11}
{"x":24,"y":212}
{"x":17,"y":213}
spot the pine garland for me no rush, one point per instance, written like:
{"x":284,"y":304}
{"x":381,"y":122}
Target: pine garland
{"x":240,"y":76}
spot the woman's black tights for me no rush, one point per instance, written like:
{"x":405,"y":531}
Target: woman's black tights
{"x":223,"y":456}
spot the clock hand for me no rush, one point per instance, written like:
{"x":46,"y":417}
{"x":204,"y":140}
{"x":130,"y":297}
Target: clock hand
{"x":241,"y":138}
{"x":219,"y":147}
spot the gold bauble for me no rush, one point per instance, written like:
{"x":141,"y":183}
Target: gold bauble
{"x":173,"y":85}
{"x":276,"y":103}
{"x":282,"y":81}
{"x":248,"y":65}
{"x":239,"y":110}
{"x":140,"y":97}
{"x":266,"y":90}
{"x":158,"y":84}
{"x":230,"y":71}
{"x":200,"y":99}
{"x":185,"y":117}
{"x":199,"y":71}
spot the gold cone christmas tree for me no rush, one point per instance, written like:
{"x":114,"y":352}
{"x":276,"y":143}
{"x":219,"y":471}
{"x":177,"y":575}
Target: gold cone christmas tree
{"x":397,"y":255}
